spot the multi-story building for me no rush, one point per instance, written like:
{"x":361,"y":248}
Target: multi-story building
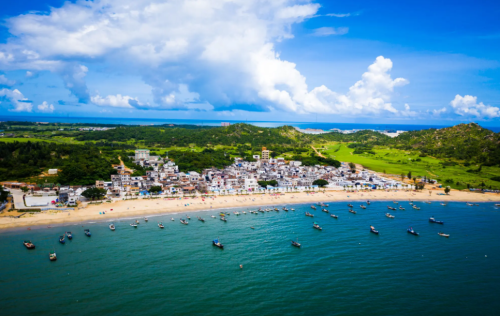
{"x":142,"y":154}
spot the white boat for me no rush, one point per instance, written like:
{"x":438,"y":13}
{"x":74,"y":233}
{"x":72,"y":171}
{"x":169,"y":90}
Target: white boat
{"x":112,"y":227}
{"x":161,"y":225}
{"x":52,"y":256}
{"x":133,"y":225}
{"x":443,"y":235}
{"x":183,"y":221}
{"x":145,"y":219}
{"x":172,"y":219}
{"x":213,"y":216}
{"x":389,"y":215}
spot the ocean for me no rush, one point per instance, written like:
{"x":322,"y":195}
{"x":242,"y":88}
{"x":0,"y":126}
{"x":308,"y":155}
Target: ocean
{"x":302,"y":125}
{"x":342,"y":270}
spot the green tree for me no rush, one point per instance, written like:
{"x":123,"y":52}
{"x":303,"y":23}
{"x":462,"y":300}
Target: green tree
{"x":94,"y":193}
{"x":320,"y":182}
{"x":24,"y":189}
{"x":3,"y":195}
{"x":352,"y":166}
{"x":409,"y":175}
{"x":155,"y":189}
{"x":447,"y":190}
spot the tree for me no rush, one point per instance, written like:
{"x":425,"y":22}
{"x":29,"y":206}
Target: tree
{"x":94,"y":193}
{"x":409,"y":174}
{"x":24,"y":189}
{"x":320,"y":182}
{"x":155,"y":189}
{"x":352,"y":166}
{"x":402,"y":177}
{"x":3,"y":195}
{"x":447,"y":190}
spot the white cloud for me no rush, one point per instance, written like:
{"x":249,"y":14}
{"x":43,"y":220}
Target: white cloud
{"x":408,"y":112}
{"x":17,"y":99}
{"x":117,"y":101}
{"x":45,"y":107}
{"x":438,"y":112}
{"x":29,"y":74}
{"x":195,"y":54}
{"x":327,"y":31}
{"x":339,"y":15}
{"x":6,"y":82}
{"x":468,"y":106}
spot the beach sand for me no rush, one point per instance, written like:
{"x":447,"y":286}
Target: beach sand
{"x":146,"y":207}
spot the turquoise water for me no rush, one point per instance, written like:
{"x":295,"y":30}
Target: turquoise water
{"x":341,"y":270}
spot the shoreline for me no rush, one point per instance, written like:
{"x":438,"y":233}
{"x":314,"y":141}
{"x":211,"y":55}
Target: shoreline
{"x":123,"y":209}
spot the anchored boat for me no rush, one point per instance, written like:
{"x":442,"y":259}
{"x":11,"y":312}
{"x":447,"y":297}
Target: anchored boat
{"x":112,"y":227}
{"x":352,"y":211}
{"x":313,"y":207}
{"x":183,"y":221}
{"x":373,"y":230}
{"x":362,"y":206}
{"x":146,"y":219}
{"x":223,"y":219}
{"x":389,"y":215}
{"x":62,"y":240}
{"x":133,"y":225}
{"x":217,"y":243}
{"x":52,"y":256}
{"x":349,"y":205}
{"x":416,"y":207}
{"x":69,"y":235}
{"x":401,"y":208}
{"x":28,"y":244}
{"x":391,"y":208}
{"x":315,"y":225}
{"x":433,"y":220}
{"x":295,"y":243}
{"x":87,"y":232}
{"x":334,"y":216}
{"x":325,"y":210}
{"x":201,"y":219}
{"x":443,"y":235}
{"x":309,"y":214}
{"x":411,"y":231}
{"x":161,"y":225}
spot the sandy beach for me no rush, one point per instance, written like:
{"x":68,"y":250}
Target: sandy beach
{"x":146,"y":207}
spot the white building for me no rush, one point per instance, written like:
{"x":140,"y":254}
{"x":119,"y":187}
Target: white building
{"x":142,"y":154}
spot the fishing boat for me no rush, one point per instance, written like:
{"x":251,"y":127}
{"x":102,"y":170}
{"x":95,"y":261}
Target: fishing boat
{"x":62,"y":240}
{"x":87,"y":232}
{"x":428,"y":202}
{"x":292,"y":209}
{"x":161,"y":225}
{"x":223,"y":219}
{"x":183,"y":221}
{"x":276,"y":209}
{"x":201,"y":219}
{"x":334,"y":216}
{"x":368,"y":202}
{"x":52,"y":256}
{"x":411,"y":231}
{"x":313,"y":207}
{"x":325,"y":205}
{"x":362,"y":206}
{"x":395,"y":202}
{"x":285,"y":209}
{"x":416,"y":207}
{"x":146,"y":219}
{"x":316,"y":226}
{"x":137,"y":222}
{"x":188,"y":217}
{"x":443,"y":235}
{"x":295,"y":243}
{"x":498,"y":205}
{"x":349,"y":205}
{"x":133,"y":225}
{"x":112,"y":227}
{"x":373,"y":230}
{"x":70,"y":235}
{"x":391,"y":208}
{"x":213,"y":216}
{"x":236,"y":213}
{"x":252,"y":227}
{"x":172,"y":219}
{"x":325,"y":210}
{"x":28,"y":244}
{"x":389,"y":215}
{"x":470,"y":204}
{"x":401,"y":208}
{"x":352,"y":211}
{"x":309,"y":214}
{"x":443,"y":204}
{"x":244,"y":212}
{"x":433,"y":220}
{"x":217,"y":243}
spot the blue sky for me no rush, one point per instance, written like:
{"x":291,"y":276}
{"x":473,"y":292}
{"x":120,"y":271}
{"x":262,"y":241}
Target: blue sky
{"x":296,"y":60}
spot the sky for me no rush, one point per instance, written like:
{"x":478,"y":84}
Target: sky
{"x":388,"y":62}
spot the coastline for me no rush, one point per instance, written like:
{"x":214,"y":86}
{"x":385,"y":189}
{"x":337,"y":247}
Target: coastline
{"x":164,"y":206}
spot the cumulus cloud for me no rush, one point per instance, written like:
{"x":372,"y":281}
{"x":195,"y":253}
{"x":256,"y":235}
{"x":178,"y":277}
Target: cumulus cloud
{"x":17,"y":99}
{"x":468,"y":106}
{"x":407,"y":112}
{"x":117,"y":101}
{"x":195,"y":55}
{"x":438,"y":112}
{"x":6,"y":82}
{"x":327,"y":31}
{"x":45,"y":107}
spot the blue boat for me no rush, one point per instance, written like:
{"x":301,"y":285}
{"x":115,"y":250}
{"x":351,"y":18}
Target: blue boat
{"x":61,"y":239}
{"x":217,"y":243}
{"x":411,"y":231}
{"x":70,"y":236}
{"x":433,"y":220}
{"x":87,"y":232}
{"x":373,"y":230}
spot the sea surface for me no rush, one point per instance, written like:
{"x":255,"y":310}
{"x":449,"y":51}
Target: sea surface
{"x":342,"y":270}
{"x":302,"y":125}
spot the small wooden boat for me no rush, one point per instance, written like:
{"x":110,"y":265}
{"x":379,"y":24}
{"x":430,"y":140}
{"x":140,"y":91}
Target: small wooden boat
{"x":276,"y":209}
{"x":391,"y":208}
{"x":137,"y":222}
{"x":443,"y":204}
{"x":334,"y":216}
{"x":52,"y":256}
{"x":69,"y":235}
{"x":244,"y":212}
{"x":428,"y":202}
{"x":161,"y":225}
{"x":401,"y":208}
{"x":223,"y":219}
{"x":470,"y":204}
{"x":201,"y":219}
{"x":316,"y":226}
{"x":313,"y":207}
{"x":146,"y":219}
{"x":213,"y":216}
{"x":252,"y":227}
{"x":295,"y":243}
{"x":352,"y":211}
{"x":362,"y":206}
{"x":325,"y":210}
{"x":416,"y":207}
{"x":373,"y":230}
{"x":433,"y":220}
{"x":133,"y":225}
{"x":389,"y":215}
{"x":217,"y":243}
{"x":87,"y":232}
{"x":292,"y":209}
{"x":368,"y":202}
{"x":309,"y":214}
{"x":172,"y":219}
{"x":28,"y":244}
{"x":411,"y":231}
{"x":236,"y":213}
{"x":285,"y":209}
{"x":188,"y":217}
{"x":395,"y":202}
{"x":497,"y":205}
{"x":349,"y":205}
{"x":443,"y":235}
{"x":183,"y":221}
{"x":112,"y":227}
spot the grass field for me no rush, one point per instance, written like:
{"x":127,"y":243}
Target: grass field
{"x":395,"y":162}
